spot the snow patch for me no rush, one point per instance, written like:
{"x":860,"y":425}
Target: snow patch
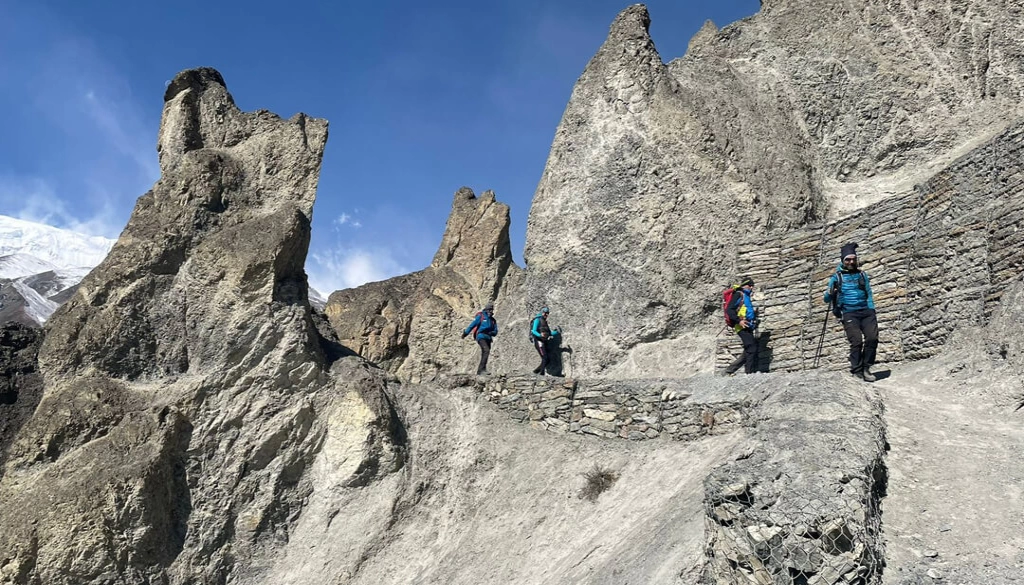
{"x":317,"y":299}
{"x":37,"y":307}
{"x":18,"y":265}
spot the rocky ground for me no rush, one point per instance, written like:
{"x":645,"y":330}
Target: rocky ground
{"x":484,"y":499}
{"x":955,"y":506}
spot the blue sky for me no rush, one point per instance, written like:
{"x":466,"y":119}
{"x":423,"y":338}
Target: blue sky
{"x":422,"y":98}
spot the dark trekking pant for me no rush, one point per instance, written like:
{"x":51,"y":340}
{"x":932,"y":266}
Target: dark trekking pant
{"x":485,"y":352}
{"x":541,"y":345}
{"x":748,"y":359}
{"x":862,"y":333}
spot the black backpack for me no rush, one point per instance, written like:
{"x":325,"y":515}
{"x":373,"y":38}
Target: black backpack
{"x":533,"y":337}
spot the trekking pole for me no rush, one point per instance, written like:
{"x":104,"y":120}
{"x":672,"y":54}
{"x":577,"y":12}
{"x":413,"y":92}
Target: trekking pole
{"x":821,"y":341}
{"x":722,"y":329}
{"x":568,"y":350}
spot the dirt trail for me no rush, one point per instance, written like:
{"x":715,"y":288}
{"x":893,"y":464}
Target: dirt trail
{"x":954,"y":512}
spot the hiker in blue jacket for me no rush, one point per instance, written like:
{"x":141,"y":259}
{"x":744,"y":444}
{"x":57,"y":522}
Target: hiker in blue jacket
{"x":741,"y":312}
{"x":849,"y":290}
{"x":486,"y":327}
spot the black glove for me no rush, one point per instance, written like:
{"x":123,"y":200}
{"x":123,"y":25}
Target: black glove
{"x":464,"y":334}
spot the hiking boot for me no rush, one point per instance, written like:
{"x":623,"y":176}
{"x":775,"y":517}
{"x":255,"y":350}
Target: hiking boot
{"x":867,"y":375}
{"x":538,"y":370}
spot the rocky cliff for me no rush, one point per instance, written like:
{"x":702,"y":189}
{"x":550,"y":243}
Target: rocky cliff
{"x":411,"y":325}
{"x":20,"y":383}
{"x":189,"y":418}
{"x":189,"y":407}
{"x":805,"y":111}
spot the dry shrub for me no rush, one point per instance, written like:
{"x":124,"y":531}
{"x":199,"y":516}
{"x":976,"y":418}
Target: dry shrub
{"x":598,"y":480}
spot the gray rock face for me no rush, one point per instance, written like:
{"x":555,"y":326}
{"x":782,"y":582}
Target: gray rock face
{"x":188,"y":393}
{"x":410,"y":325}
{"x":638,"y":201}
{"x":21,"y":385}
{"x":881,"y":88}
{"x":231,"y":181}
{"x":805,"y":110}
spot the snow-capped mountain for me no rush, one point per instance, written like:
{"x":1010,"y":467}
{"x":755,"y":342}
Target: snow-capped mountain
{"x":316,"y":298}
{"x":40,"y":266}
{"x":61,"y":248}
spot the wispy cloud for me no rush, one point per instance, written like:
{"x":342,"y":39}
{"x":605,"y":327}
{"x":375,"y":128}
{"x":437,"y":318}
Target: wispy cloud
{"x":35,"y":200}
{"x":125,"y":133}
{"x":341,"y":268}
{"x":79,"y":147}
{"x":346,"y":219}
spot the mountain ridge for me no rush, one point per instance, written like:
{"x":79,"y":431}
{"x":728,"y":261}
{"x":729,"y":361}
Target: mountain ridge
{"x":190,"y":417}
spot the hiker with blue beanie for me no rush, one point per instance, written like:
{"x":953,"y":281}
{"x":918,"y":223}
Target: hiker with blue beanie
{"x":484,"y":327}
{"x":849,"y":292}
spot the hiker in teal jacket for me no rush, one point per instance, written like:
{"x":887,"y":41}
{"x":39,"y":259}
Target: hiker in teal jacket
{"x":540,"y":333}
{"x":849,"y":291}
{"x":486,"y":327}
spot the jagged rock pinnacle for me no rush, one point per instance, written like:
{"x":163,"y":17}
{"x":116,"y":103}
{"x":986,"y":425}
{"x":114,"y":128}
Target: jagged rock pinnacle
{"x":633,"y":22}
{"x":468,"y":270}
{"x":196,"y":79}
{"x":198,"y":320}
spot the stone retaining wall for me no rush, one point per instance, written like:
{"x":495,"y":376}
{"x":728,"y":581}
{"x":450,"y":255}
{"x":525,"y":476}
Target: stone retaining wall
{"x":805,"y":506}
{"x":939,"y":258}
{"x":637,"y":410}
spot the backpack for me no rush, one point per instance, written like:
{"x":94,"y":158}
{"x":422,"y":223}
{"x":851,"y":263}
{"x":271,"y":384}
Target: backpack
{"x":727,"y":296}
{"x":534,"y":338}
{"x":485,"y":325}
{"x":838,"y":288}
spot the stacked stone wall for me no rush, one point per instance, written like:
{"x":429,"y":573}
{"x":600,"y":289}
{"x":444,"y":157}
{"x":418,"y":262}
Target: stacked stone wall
{"x":938,"y":258}
{"x":637,"y":410}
